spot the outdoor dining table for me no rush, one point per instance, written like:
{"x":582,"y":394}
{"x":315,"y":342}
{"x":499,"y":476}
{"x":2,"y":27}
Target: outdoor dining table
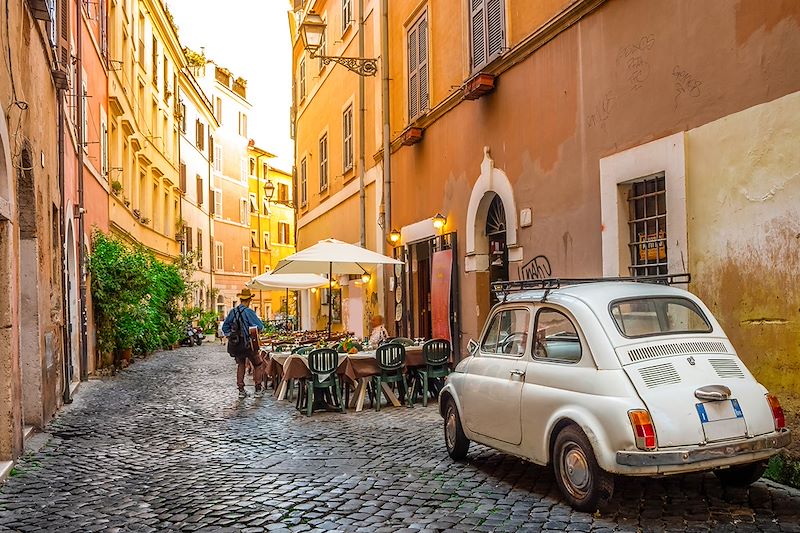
{"x":357,"y":368}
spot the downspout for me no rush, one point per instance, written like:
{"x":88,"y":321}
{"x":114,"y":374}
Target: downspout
{"x":362,"y":193}
{"x":81,"y":210}
{"x":387,"y":156}
{"x":66,"y":333}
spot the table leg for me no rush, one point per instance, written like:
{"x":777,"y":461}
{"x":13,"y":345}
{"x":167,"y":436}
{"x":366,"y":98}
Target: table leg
{"x":361,"y":392}
{"x":282,"y":389}
{"x":390,"y":394}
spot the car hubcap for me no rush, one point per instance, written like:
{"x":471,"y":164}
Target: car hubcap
{"x":450,"y":429}
{"x":575,"y":470}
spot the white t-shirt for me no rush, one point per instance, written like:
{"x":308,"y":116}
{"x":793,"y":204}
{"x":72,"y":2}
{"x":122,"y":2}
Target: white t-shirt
{"x":379,"y":334}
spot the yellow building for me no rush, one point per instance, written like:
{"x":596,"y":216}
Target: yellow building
{"x":329,"y":139}
{"x":271,"y":228}
{"x":145,"y":56}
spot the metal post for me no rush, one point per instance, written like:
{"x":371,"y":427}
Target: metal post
{"x":79,"y":130}
{"x":387,"y":141}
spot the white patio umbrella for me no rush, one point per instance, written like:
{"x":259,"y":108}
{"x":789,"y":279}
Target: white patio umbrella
{"x":331,"y":256}
{"x":270,"y":280}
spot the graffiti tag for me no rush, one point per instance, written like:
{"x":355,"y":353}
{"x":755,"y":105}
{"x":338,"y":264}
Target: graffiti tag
{"x":685,"y":83}
{"x":632,"y":57}
{"x":537,"y":268}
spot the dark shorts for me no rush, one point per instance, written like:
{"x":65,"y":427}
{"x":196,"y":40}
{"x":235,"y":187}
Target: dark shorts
{"x":254,"y":358}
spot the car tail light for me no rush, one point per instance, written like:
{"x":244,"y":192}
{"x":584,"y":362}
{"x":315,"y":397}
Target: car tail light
{"x":643,"y":429}
{"x":777,"y":411}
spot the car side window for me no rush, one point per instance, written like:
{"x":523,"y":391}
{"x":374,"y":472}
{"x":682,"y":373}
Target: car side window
{"x":556,"y":337}
{"x":507,"y":333}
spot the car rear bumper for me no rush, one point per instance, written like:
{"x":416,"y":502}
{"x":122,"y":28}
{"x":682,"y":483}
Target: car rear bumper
{"x":761,"y":445}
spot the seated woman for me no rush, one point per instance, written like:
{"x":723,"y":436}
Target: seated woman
{"x":379,"y":333}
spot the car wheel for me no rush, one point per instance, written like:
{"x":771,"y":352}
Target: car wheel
{"x":584,"y":484}
{"x":457,"y":443}
{"x":741,"y":475}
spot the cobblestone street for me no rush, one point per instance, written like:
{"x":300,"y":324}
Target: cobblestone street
{"x":168,"y":445}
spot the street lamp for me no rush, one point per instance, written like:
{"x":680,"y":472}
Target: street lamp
{"x":311,"y":31}
{"x":269,"y":190}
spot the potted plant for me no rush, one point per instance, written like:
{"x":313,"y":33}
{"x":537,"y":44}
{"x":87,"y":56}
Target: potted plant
{"x":116,"y":187}
{"x":144,"y":220}
{"x":137,"y":213}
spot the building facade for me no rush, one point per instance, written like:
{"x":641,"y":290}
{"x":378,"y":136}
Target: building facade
{"x":197,"y":125}
{"x":338,"y":170}
{"x":583,"y":138}
{"x":143,"y":131}
{"x":229,"y":188}
{"x":33,"y":341}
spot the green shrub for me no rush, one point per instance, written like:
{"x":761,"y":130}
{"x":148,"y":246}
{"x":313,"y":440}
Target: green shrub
{"x":784,"y":470}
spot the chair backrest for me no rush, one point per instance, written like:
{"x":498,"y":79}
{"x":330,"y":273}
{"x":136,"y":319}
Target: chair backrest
{"x":303,"y":350}
{"x":391,"y":356}
{"x":436,"y":351}
{"x":323,"y":360}
{"x":405,"y":341}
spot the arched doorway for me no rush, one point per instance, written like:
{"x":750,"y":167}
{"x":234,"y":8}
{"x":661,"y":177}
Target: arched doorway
{"x":72,"y":290}
{"x":498,"y":250}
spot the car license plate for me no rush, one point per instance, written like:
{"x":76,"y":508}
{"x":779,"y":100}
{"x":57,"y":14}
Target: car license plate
{"x":721,"y":420}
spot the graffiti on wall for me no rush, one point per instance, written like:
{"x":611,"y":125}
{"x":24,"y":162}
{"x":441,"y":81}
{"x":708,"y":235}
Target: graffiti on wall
{"x":537,"y":268}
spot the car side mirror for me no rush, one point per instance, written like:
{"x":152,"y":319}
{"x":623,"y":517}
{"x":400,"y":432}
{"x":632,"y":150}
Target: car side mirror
{"x":472,"y":347}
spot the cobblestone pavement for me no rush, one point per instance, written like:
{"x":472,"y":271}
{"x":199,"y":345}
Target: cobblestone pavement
{"x":168,"y":445}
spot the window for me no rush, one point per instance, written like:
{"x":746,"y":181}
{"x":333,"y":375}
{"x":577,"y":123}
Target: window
{"x":188,"y":234}
{"x":254,"y":238}
{"x":219,"y":260}
{"x":245,"y":259}
{"x":103,"y":147}
{"x":217,"y":209}
{"x":200,"y":188}
{"x":252,"y":167}
{"x":264,"y":170}
{"x":283,"y":192}
{"x":303,"y":182}
{"x":323,"y":163}
{"x":347,"y":14}
{"x":321,"y":52}
{"x":84,"y":118}
{"x":253,"y":203}
{"x":182,"y":111}
{"x":486,"y":31}
{"x":647,"y":220}
{"x":200,"y":135}
{"x":507,"y":333}
{"x":418,"y":68}
{"x":556,"y":337}
{"x":283,"y":233}
{"x":182,"y":177}
{"x":244,"y":211}
{"x":218,"y":109}
{"x":154,"y":64}
{"x":243,"y":164}
{"x":266,"y":240}
{"x":347,"y":136}
{"x":199,"y":248}
{"x":302,"y":79}
{"x":242,"y":124}
{"x":645,"y":317}
{"x":265,"y":205}
{"x":221,"y":306}
{"x":217,"y":158}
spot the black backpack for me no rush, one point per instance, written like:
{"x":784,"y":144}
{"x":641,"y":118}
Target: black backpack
{"x":239,"y":339}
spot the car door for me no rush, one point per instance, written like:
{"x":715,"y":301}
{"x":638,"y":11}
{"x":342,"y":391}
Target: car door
{"x":493,"y":386}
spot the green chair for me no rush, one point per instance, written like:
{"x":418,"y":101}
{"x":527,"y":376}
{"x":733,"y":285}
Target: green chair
{"x":436,"y":353}
{"x":323,"y":363}
{"x":303,"y":350}
{"x":391,"y":360}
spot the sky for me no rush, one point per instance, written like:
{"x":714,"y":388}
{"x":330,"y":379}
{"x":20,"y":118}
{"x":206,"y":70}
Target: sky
{"x":251,"y":39}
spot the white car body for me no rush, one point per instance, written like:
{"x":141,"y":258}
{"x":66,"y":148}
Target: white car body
{"x":517,"y":403}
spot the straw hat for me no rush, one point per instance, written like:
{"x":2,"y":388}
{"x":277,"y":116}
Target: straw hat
{"x":245,"y":294}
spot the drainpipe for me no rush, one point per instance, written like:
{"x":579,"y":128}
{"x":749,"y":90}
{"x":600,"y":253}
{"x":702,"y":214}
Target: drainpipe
{"x":387,"y":156}
{"x":362,"y":194}
{"x":66,"y":333}
{"x":81,"y":221}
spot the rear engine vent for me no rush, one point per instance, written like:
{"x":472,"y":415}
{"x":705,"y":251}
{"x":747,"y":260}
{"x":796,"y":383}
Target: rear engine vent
{"x":664,"y":374}
{"x":727,"y":368}
{"x":675,"y":348}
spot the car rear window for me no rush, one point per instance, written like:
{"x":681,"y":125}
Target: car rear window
{"x":645,"y":317}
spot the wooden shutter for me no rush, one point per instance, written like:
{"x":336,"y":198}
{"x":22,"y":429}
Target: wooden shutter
{"x":199,"y":190}
{"x":422,"y":58}
{"x":183,"y":177}
{"x":477,"y":28}
{"x":188,"y":233}
{"x":495,"y":38}
{"x":63,"y":34}
{"x":413,"y":74}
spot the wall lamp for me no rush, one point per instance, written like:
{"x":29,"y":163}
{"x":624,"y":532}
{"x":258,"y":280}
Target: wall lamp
{"x":311,"y":31}
{"x":439,"y":221}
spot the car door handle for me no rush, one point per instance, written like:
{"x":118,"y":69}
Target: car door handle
{"x":517,"y":372}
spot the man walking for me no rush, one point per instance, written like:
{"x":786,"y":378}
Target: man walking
{"x":237,"y":328}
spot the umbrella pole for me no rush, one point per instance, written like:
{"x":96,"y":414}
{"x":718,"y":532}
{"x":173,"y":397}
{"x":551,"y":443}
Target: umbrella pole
{"x":330,"y":297}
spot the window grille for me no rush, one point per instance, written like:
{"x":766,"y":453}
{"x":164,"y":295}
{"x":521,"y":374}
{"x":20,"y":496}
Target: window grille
{"x":647,"y":220}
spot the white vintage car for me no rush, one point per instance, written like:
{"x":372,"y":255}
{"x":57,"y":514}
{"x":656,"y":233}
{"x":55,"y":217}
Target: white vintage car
{"x":610,"y":377}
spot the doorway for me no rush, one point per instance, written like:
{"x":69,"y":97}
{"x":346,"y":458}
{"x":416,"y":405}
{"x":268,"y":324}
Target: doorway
{"x":498,"y":251}
{"x":72,"y":290}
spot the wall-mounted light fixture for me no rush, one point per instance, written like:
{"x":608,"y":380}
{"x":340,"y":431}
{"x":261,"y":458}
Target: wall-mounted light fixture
{"x":394,"y":236}
{"x":439,"y":221}
{"x":365,"y":277}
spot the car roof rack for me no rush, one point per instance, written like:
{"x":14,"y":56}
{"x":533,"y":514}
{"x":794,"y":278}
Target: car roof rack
{"x":548,"y":284}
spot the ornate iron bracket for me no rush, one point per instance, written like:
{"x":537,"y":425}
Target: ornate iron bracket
{"x":360,"y":65}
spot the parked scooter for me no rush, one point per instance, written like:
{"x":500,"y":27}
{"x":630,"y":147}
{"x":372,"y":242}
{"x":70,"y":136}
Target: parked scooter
{"x":194,"y":336}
